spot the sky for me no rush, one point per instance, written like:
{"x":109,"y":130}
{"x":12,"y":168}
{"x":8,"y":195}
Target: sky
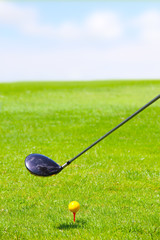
{"x":79,"y":40}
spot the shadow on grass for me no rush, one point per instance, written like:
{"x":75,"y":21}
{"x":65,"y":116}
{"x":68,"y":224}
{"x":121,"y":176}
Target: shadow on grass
{"x":77,"y":224}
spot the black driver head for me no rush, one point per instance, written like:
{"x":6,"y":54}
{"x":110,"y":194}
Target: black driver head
{"x":41,"y":165}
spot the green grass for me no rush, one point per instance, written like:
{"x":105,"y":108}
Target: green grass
{"x":117,"y":183}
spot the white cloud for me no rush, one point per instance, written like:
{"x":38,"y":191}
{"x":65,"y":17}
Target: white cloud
{"x":127,"y":61}
{"x":148,"y":24}
{"x":129,"y":58}
{"x":102,"y":25}
{"x":21,"y":18}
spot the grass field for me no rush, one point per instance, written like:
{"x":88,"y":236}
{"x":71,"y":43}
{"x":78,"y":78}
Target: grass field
{"x":117,"y":183}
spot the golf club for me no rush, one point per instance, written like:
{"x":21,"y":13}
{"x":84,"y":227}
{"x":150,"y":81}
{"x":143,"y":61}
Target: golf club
{"x":41,"y":165}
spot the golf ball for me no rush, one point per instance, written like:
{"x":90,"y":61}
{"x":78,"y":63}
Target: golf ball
{"x":74,"y":206}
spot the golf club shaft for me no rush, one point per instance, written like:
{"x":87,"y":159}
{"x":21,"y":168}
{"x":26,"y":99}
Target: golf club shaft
{"x":112,"y":130}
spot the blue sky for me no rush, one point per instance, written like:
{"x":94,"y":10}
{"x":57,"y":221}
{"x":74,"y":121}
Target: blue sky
{"x":85,"y":40}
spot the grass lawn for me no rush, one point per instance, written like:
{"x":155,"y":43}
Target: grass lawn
{"x":117,"y":183}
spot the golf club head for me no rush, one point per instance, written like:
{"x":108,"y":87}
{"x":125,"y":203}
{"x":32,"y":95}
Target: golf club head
{"x":41,"y":165}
